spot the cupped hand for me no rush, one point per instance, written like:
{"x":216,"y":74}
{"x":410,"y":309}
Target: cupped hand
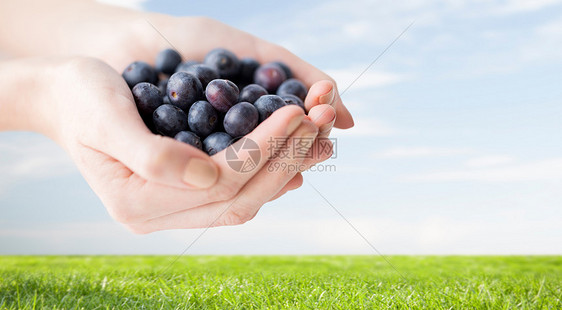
{"x":150,"y":182}
{"x":121,"y":39}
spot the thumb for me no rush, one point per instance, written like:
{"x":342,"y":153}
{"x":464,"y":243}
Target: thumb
{"x":153,"y":157}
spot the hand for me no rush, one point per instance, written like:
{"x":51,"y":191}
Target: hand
{"x":118,"y":36}
{"x":150,"y":182}
{"x":195,"y":36}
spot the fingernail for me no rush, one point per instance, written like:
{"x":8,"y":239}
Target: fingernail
{"x":200,"y":173}
{"x":294,"y":124}
{"x":327,"y":98}
{"x":328,"y":126}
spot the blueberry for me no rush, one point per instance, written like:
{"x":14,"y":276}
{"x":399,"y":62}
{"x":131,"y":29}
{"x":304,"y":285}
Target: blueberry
{"x":202,"y":118}
{"x":138,"y":72}
{"x":222,"y":94}
{"x":241,"y":119}
{"x":216,"y":142}
{"x":224,"y":62}
{"x":269,"y":76}
{"x":166,"y":100}
{"x":251,"y":93}
{"x":167,"y":61}
{"x":248,"y":67}
{"x":268,"y":104}
{"x":292,"y":99}
{"x":189,"y":138}
{"x":292,"y":87}
{"x":162,"y":85}
{"x":184,"y":65}
{"x":184,"y":89}
{"x":169,"y":120}
{"x":147,"y":98}
{"x":204,"y":73}
{"x":286,"y":69}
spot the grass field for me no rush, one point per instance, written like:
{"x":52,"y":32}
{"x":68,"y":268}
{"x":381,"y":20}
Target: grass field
{"x":307,"y":282}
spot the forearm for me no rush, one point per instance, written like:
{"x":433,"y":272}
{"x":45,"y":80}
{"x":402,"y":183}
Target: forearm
{"x":23,"y":92}
{"x":64,"y":27}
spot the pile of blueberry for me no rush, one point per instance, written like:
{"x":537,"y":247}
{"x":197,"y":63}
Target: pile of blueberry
{"x":210,"y":104}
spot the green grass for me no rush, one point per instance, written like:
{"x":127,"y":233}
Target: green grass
{"x":274,"y":282}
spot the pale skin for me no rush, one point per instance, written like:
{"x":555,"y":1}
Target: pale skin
{"x":147,"y":182}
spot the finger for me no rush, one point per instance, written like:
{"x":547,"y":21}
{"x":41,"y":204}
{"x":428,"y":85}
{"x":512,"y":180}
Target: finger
{"x":272,"y":178}
{"x":295,"y":183}
{"x":321,"y":151}
{"x":268,"y":137}
{"x":123,"y":135}
{"x":260,"y":189}
{"x":307,"y":73}
{"x":323,"y":117}
{"x":321,"y":92}
{"x":173,"y":199}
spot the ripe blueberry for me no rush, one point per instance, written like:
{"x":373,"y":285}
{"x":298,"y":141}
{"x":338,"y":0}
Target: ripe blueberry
{"x":222,"y":94}
{"x":216,"y":142}
{"x":269,"y":76}
{"x":292,"y":87}
{"x":292,"y":99}
{"x":204,"y":73}
{"x":268,"y":104}
{"x":189,"y":138}
{"x":167,"y":61}
{"x":184,"y":65}
{"x":251,"y":93}
{"x":139,"y":71}
{"x":169,"y":120}
{"x":184,"y":89}
{"x":202,"y":118}
{"x":248,"y":67}
{"x":286,"y":69}
{"x":241,"y":119}
{"x":224,"y":62}
{"x":147,"y":98}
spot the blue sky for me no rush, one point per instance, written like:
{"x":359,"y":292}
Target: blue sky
{"x":456,"y":147}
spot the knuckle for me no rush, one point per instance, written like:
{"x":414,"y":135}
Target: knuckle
{"x":224,"y":191}
{"x":204,"y":21}
{"x":121,"y":215}
{"x":152,"y":161}
{"x":298,"y":182}
{"x":124,"y":213}
{"x":238,"y":215}
{"x":81,"y":64}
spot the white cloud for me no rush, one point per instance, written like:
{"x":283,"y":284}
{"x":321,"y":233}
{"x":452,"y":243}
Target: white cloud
{"x":131,"y":4}
{"x":366,"y":127}
{"x":548,"y":169}
{"x":488,"y":161}
{"x":551,"y":28}
{"x":32,"y":157}
{"x":522,"y":6}
{"x":413,"y":152}
{"x":271,"y":235}
{"x":345,"y":77}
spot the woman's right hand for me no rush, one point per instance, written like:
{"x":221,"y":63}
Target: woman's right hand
{"x":150,"y":182}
